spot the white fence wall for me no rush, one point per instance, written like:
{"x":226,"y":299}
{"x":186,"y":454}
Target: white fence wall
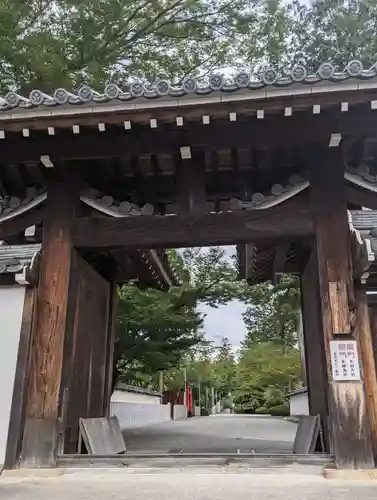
{"x":179,"y":412}
{"x":132,"y":415}
{"x":216,"y":409}
{"x":299,"y":404}
{"x":197,"y":411}
{"x":134,"y":397}
{"x":11,"y":310}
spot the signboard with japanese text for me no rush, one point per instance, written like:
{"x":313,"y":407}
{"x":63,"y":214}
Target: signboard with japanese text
{"x":344,"y":360}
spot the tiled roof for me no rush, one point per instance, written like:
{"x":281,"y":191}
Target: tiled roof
{"x":365,"y":221}
{"x":13,"y":258}
{"x":137,"y":88}
{"x":137,"y":390}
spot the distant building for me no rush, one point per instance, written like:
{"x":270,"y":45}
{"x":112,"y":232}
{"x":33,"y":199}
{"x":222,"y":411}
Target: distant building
{"x":298,"y":402}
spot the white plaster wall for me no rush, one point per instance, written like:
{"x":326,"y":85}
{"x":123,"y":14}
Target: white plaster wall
{"x":132,"y":415}
{"x":216,"y":409}
{"x":133,"y":397}
{"x":299,"y":404}
{"x":197,"y":411}
{"x":179,"y":412}
{"x":11,"y":310}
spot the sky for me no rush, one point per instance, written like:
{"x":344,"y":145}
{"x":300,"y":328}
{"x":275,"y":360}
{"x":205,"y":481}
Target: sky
{"x":225,"y":321}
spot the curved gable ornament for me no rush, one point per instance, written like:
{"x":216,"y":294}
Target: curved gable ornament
{"x":10,"y":212}
{"x":360,"y":181}
{"x":108,"y":206}
{"x":277,"y":195}
{"x":13,"y":207}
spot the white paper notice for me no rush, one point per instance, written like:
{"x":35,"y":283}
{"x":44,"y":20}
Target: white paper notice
{"x":345,"y":360}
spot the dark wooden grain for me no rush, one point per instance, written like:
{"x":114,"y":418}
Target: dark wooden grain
{"x":350,"y":429}
{"x":39,"y":443}
{"x":373,"y":326}
{"x":158,"y":231}
{"x":262,"y":134}
{"x":51,"y":316}
{"x":86,"y":354}
{"x":110,"y":344}
{"x":364,"y":334}
{"x":191,"y":185}
{"x":360,"y":197}
{"x":21,"y":222}
{"x":316,"y":372}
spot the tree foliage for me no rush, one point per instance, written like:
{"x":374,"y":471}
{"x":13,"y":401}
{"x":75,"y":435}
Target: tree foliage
{"x":272,"y":313}
{"x":156,"y":330}
{"x":333,"y":30}
{"x":53,"y":43}
{"x":266,"y":373}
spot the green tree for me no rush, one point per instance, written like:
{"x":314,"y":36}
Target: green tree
{"x":266,"y":373}
{"x":337,"y":31}
{"x":154,"y":329}
{"x":272,"y":313}
{"x":224,"y":367}
{"x":53,"y":43}
{"x":157,"y":330}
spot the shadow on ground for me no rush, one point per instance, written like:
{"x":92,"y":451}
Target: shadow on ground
{"x":216,"y":434}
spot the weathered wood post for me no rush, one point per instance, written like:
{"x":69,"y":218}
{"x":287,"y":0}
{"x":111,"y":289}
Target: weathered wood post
{"x":369,"y":368}
{"x":46,"y":362}
{"x":316,"y":371}
{"x":349,"y":422}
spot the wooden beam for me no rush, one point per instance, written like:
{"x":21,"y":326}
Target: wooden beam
{"x":361,"y":197}
{"x":261,"y":134}
{"x":19,"y":223}
{"x":159,"y":231}
{"x":350,"y":430}
{"x":197,"y":109}
{"x":42,"y":412}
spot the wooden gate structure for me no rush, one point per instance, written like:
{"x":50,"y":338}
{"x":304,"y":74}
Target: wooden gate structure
{"x":281,"y":164}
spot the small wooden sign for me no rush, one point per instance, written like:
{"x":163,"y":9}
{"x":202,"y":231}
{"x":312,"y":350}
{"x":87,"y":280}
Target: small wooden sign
{"x":345,"y":360}
{"x":308,"y":431}
{"x":101,"y":436}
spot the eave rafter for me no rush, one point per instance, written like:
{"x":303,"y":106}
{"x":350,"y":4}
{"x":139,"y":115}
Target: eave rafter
{"x":18,"y":215}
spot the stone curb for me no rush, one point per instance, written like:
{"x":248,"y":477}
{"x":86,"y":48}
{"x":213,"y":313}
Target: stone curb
{"x":30,"y":473}
{"x":351,"y":475}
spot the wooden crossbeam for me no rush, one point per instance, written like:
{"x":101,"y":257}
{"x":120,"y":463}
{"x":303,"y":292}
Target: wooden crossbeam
{"x":168,"y":139}
{"x":11,"y":227}
{"x":192,"y":229}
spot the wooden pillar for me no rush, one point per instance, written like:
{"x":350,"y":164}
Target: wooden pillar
{"x":43,"y":400}
{"x":364,"y":334}
{"x":316,"y":372}
{"x":110,"y":343}
{"x":373,"y":327}
{"x":350,"y":429}
{"x":191,"y":185}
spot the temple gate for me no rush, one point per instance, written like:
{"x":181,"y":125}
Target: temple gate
{"x":281,"y":165}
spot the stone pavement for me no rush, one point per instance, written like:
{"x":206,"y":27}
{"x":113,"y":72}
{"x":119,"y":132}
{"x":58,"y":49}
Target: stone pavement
{"x":216,"y":434}
{"x":186,"y":484}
